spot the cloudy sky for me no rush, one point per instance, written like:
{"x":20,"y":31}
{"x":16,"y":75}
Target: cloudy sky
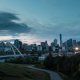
{"x":35,"y":21}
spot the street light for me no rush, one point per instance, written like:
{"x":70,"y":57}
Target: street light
{"x":77,"y":48}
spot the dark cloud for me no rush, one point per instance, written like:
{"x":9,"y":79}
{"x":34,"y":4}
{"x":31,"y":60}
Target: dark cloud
{"x":9,"y":27}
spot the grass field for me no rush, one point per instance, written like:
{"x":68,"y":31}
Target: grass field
{"x":21,"y":72}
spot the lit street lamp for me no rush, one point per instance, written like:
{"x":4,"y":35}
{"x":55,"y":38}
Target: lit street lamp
{"x":77,"y":48}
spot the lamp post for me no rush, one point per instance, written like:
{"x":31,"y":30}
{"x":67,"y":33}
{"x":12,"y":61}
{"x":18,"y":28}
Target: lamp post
{"x":76,"y":49}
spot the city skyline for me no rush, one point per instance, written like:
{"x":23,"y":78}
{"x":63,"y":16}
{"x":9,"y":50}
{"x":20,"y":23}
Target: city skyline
{"x":38,"y":21}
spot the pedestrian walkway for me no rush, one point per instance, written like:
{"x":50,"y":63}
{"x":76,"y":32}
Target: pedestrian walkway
{"x":53,"y":75}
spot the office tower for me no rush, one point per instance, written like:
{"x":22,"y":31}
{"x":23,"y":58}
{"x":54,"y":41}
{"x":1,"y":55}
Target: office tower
{"x":45,"y":43}
{"x":55,"y":42}
{"x":34,"y":45}
{"x":20,"y":45}
{"x":42,"y":44}
{"x":16,"y":43}
{"x":74,"y":44}
{"x":24,"y":46}
{"x":60,"y":39}
{"x":78,"y":44}
{"x":69,"y":43}
{"x":39,"y":48}
{"x":65,"y":45}
{"x":29,"y":47}
{"x":47,"y":47}
{"x":52,"y":44}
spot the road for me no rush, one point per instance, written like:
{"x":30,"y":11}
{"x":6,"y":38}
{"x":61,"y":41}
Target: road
{"x":53,"y":75}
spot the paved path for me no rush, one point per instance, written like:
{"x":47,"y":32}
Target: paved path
{"x":53,"y":75}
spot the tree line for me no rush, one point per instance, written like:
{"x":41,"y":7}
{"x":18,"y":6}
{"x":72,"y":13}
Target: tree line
{"x":67,"y":65}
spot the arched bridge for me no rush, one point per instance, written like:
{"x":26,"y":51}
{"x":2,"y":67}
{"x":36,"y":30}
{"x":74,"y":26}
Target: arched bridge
{"x":9,"y":50}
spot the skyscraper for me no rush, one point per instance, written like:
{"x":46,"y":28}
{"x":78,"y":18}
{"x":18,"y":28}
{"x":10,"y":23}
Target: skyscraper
{"x":55,"y":42}
{"x":45,"y":43}
{"x":60,"y":39}
{"x":52,"y":44}
{"x":16,"y":43}
{"x":69,"y":43}
{"x":74,"y":44}
{"x":42,"y":44}
{"x":20,"y":45}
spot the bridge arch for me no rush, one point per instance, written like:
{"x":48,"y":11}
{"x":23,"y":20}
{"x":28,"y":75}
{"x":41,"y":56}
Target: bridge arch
{"x":6,"y":48}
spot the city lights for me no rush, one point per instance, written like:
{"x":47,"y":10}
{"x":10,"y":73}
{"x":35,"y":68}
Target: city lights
{"x":76,"y":48}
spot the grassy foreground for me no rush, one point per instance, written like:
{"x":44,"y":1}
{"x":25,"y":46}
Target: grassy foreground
{"x":18,"y":72}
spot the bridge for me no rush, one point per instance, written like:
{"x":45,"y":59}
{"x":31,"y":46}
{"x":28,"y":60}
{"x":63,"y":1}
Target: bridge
{"x":8,"y":50}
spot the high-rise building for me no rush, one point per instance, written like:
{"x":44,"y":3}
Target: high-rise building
{"x":24,"y":46}
{"x":78,"y":45}
{"x":34,"y":45}
{"x":74,"y":44}
{"x":42,"y":44}
{"x":39,"y":48}
{"x":47,"y":47}
{"x":60,"y":39}
{"x":69,"y":43}
{"x":52,"y":44}
{"x":16,"y":43}
{"x":20,"y":45}
{"x":65,"y":45}
{"x":29,"y":47}
{"x":45,"y":43}
{"x":55,"y":42}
